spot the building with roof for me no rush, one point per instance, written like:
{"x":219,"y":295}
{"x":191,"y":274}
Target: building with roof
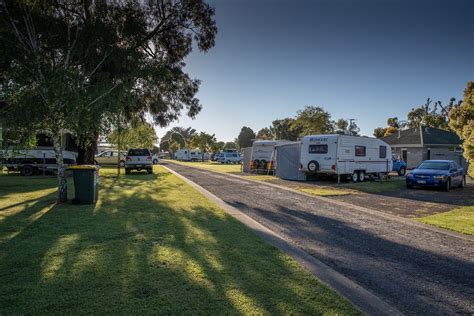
{"x":415,"y":145}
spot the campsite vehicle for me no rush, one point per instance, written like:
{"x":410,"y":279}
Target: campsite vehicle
{"x":437,"y":173}
{"x":263,"y":154}
{"x":40,"y":158}
{"x":399,"y":166}
{"x":32,"y":161}
{"x":109,"y":157}
{"x":138,"y":159}
{"x":230,"y":157}
{"x":354,"y":157}
{"x":188,"y":155}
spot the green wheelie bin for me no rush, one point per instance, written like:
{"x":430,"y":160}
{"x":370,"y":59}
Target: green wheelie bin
{"x":86,"y":184}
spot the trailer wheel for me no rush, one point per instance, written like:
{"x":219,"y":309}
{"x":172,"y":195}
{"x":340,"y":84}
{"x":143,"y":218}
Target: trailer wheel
{"x":361,"y":176}
{"x":27,"y":170}
{"x":255,"y":164}
{"x":313,"y":166}
{"x":402,"y":171}
{"x":355,"y":177}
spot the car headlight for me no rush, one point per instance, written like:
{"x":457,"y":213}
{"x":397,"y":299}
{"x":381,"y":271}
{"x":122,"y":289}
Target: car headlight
{"x":439,"y":177}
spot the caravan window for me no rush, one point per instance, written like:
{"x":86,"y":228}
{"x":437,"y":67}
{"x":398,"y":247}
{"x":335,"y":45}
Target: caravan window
{"x":360,"y":151}
{"x":318,"y":149}
{"x":382,"y":152}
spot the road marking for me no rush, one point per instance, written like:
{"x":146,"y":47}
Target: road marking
{"x":366,"y":301}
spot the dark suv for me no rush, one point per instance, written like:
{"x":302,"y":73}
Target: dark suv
{"x":138,"y":159}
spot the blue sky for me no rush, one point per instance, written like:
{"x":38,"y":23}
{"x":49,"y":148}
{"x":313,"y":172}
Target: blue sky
{"x":362,"y":59}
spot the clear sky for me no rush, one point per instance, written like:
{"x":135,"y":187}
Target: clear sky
{"x":362,"y":59}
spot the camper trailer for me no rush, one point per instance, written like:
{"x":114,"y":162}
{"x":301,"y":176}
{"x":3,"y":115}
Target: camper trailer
{"x":354,"y":157}
{"x":186,"y":154}
{"x":30,"y":161}
{"x":263,"y":154}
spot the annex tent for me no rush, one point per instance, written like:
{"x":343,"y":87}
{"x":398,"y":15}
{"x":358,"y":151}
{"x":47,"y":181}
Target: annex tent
{"x":288,"y":162}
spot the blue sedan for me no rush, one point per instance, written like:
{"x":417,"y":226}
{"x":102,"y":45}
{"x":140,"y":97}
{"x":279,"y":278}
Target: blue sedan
{"x":444,"y":174}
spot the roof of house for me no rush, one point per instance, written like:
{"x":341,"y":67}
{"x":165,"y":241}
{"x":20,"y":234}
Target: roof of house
{"x":423,"y":136}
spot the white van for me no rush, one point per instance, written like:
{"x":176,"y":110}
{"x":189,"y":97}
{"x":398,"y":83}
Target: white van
{"x":186,"y":154}
{"x":263,"y":154}
{"x":230,"y":157}
{"x":352,"y":156}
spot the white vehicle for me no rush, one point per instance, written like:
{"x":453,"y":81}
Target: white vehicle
{"x":188,"y":155}
{"x":32,"y":161}
{"x":230,"y":157}
{"x":263,"y":154}
{"x":342,"y":155}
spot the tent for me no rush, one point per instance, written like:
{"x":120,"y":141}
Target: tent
{"x":288,"y":162}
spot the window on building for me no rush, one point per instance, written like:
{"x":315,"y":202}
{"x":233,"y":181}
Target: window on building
{"x":383,"y":152}
{"x":318,"y":149}
{"x":360,"y":151}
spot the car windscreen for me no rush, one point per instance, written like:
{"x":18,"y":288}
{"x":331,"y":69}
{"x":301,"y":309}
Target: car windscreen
{"x":435,"y":165}
{"x":138,"y":152}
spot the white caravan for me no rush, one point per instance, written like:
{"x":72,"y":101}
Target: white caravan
{"x":31,"y":161}
{"x":263,"y":154}
{"x":186,"y":154}
{"x":343,"y":155}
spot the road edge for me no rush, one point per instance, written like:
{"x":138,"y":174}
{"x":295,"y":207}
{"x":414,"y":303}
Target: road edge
{"x":364,"y":300}
{"x":366,"y":210}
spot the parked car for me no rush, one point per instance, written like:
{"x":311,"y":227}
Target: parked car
{"x":437,"y":173}
{"x":138,"y":159}
{"x":399,"y":166}
{"x":230,"y":157}
{"x":109,"y":157}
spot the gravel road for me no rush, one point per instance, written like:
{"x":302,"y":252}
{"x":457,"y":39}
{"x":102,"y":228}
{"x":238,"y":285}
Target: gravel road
{"x":417,"y":270}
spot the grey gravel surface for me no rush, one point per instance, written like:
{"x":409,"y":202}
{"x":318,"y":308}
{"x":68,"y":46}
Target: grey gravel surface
{"x":417,"y":270}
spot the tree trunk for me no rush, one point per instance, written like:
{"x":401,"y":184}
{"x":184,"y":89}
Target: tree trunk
{"x":86,"y":149}
{"x":62,"y":182}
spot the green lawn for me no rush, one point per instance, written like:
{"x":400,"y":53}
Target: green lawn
{"x":460,"y":220}
{"x":152,"y":244}
{"x":211,"y":165}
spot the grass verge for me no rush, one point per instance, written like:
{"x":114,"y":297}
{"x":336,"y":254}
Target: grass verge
{"x":151,"y":244}
{"x":460,"y":220}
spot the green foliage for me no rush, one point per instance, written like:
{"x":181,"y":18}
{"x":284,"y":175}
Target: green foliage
{"x":282,"y":129}
{"x":246,"y":137}
{"x":265,"y":134}
{"x":436,"y":116}
{"x":462,"y":122}
{"x":313,"y":120}
{"x":185,"y":133}
{"x":141,"y":135}
{"x":203,"y":141}
{"x":231,"y":145}
{"x":347,"y":127}
{"x":379,"y":132}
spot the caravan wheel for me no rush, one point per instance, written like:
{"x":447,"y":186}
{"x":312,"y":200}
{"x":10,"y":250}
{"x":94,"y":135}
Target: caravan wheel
{"x":313,"y":166}
{"x":361,"y":176}
{"x":27,"y":170}
{"x":355,"y":177}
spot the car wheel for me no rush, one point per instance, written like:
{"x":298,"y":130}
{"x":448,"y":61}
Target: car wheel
{"x":313,"y":166}
{"x":463,"y":182}
{"x":355,"y":177}
{"x":27,"y":171}
{"x":361,"y":176}
{"x":122,"y":163}
{"x":155,"y":161}
{"x":150,"y":171}
{"x":402,"y":172}
{"x":447,"y":186}
{"x":228,"y":162}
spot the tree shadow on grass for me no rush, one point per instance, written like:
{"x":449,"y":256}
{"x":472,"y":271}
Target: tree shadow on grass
{"x":145,"y":252}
